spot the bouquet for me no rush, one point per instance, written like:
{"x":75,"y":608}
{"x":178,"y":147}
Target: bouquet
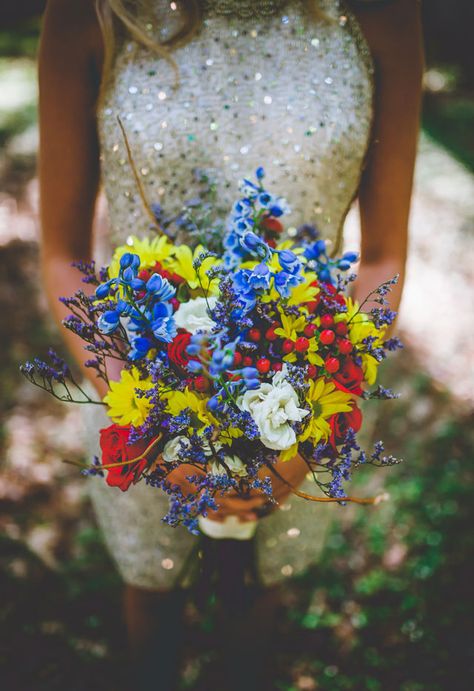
{"x":236,"y":354}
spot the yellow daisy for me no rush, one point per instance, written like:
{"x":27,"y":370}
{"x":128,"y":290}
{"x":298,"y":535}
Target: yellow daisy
{"x":182,"y":264}
{"x":325,"y":400}
{"x":360,"y":327}
{"x":150,"y":250}
{"x":290,"y":326}
{"x":304,"y":292}
{"x":125,"y":407}
{"x":177,"y":401}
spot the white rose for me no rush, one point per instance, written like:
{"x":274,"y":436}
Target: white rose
{"x":173,"y":448}
{"x":235,"y":465}
{"x":193,"y":315}
{"x":272,"y":407}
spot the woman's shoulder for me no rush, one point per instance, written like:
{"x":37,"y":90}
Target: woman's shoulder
{"x":389,"y":25}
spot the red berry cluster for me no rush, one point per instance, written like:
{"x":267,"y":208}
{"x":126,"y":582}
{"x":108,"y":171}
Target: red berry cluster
{"x":334,"y":334}
{"x":332,"y":338}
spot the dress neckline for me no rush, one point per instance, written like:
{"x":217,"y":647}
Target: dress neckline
{"x":244,"y":9}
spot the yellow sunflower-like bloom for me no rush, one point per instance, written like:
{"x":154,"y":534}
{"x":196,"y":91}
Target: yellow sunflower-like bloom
{"x":177,"y":401}
{"x":325,"y":400}
{"x":304,"y":292}
{"x":182,"y":264}
{"x":291,"y":326}
{"x":360,"y":327}
{"x":125,"y":407}
{"x":150,"y":250}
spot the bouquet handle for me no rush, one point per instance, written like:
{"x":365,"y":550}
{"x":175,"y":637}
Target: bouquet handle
{"x":228,"y":529}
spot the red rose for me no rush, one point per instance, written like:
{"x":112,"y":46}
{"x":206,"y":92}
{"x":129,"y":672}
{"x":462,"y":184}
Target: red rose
{"x":349,"y":378}
{"x":341,"y":422}
{"x":164,"y":273}
{"x":113,"y":443}
{"x":332,"y":293}
{"x":177,"y":349}
{"x":272,"y":224}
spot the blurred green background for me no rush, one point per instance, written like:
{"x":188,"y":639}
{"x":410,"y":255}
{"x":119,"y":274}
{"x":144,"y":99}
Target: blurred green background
{"x":389,"y":604}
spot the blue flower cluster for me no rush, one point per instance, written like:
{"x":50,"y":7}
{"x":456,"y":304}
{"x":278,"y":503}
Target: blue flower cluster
{"x":219,"y":366}
{"x":324,"y":266}
{"x":143,"y":308}
{"x":242,"y":240}
{"x":248,"y":284}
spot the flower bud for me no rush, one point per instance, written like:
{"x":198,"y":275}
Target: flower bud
{"x":103,"y":290}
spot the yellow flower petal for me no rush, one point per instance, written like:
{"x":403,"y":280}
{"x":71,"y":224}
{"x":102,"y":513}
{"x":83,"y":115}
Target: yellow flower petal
{"x":125,"y":406}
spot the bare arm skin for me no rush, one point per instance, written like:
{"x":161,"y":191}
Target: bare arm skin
{"x":69,"y":69}
{"x":393,"y":32}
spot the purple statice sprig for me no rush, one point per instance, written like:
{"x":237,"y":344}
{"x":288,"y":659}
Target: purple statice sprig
{"x":378,"y":457}
{"x":89,"y":271}
{"x":339,"y":464}
{"x":56,"y":378}
{"x":200,"y":218}
{"x":378,"y":295}
{"x":380,"y":393}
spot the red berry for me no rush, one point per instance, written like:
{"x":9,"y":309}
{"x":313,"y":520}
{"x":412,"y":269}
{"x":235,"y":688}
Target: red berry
{"x":263,"y":365}
{"x":341,"y":328}
{"x":310,"y":330}
{"x":332,"y":364}
{"x":144,"y":274}
{"x":277,"y":366}
{"x":201,"y":383}
{"x":255,"y":335}
{"x":344,"y":345}
{"x":327,"y":337}
{"x":312,"y":371}
{"x":327,"y":320}
{"x":247,"y":361}
{"x":270,"y":334}
{"x":237,"y":359}
{"x":301,"y":344}
{"x":287,"y":346}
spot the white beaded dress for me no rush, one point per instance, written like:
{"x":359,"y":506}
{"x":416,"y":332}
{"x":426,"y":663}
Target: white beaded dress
{"x":260,"y":84}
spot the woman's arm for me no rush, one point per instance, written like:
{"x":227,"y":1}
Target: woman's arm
{"x":393,"y":31}
{"x":69,"y":76}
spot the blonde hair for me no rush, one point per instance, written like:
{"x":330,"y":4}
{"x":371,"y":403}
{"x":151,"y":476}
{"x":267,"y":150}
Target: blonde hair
{"x":119,"y":19}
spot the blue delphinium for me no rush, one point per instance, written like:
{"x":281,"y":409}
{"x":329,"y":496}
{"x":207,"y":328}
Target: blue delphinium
{"x":325,"y":267}
{"x":242,"y":237}
{"x":142,"y":309}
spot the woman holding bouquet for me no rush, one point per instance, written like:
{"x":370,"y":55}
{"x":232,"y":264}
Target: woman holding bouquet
{"x":324,"y":94}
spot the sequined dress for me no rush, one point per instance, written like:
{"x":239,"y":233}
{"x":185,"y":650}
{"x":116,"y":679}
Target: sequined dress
{"x":260,"y":84}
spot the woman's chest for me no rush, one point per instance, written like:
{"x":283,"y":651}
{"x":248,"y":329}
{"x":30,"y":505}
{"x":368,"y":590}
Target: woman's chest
{"x":292,"y":97}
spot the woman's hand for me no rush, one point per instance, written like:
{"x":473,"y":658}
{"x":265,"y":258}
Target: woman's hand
{"x":293,"y":472}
